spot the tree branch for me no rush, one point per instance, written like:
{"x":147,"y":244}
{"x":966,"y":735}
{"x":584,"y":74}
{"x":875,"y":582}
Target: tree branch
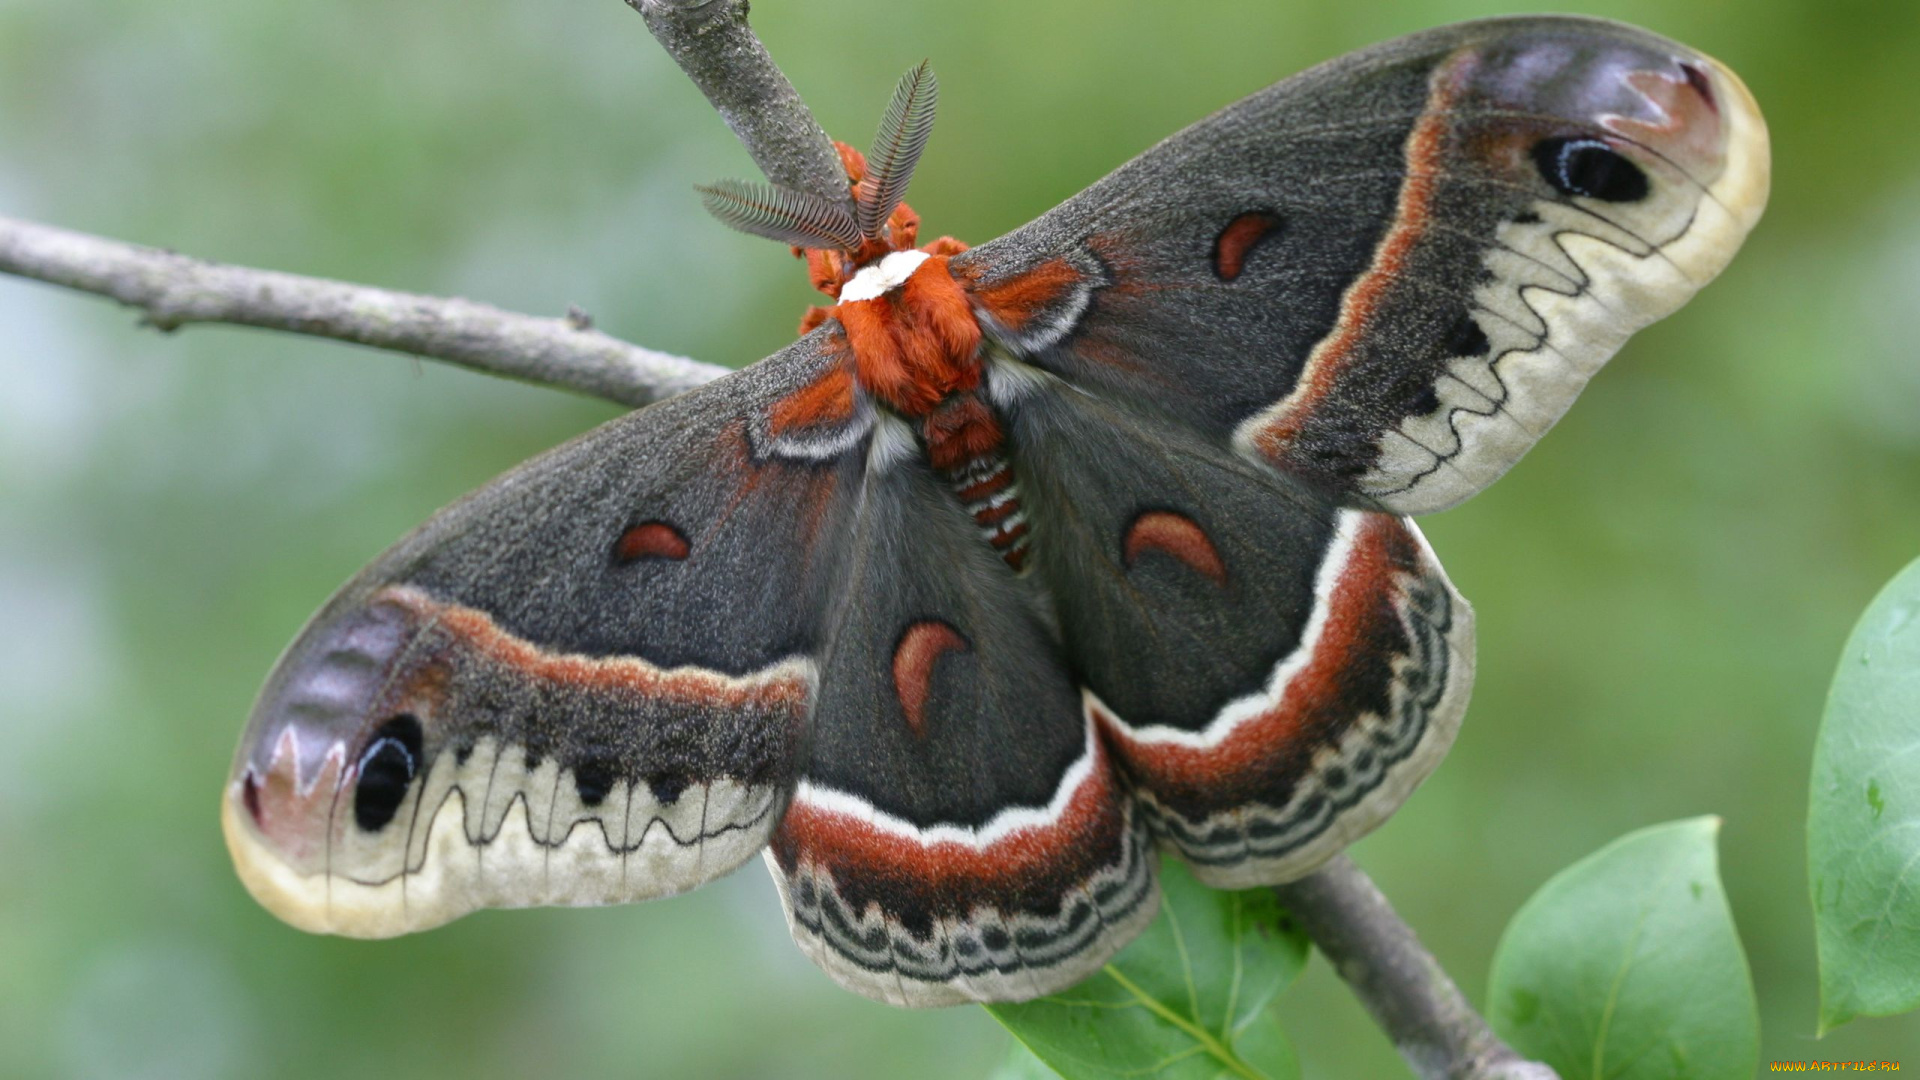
{"x":713,"y":44}
{"x":1398,"y":980}
{"x":174,"y":290}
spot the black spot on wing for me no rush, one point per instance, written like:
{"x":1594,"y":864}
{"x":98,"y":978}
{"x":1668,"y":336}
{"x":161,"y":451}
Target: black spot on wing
{"x":387,"y":768}
{"x":1589,"y":168}
{"x":593,"y":781}
{"x":1466,"y":338}
{"x":667,"y":787}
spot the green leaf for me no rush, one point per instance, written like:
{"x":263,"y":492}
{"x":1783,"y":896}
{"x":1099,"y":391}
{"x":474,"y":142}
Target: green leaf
{"x":1022,"y":1065}
{"x":1186,"y":1001}
{"x":1626,"y":966}
{"x":1863,"y":819}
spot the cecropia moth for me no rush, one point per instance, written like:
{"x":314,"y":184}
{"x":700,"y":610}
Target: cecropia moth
{"x":1026,"y":559}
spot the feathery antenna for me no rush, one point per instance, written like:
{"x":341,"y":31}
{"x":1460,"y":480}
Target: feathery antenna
{"x":777,"y":213}
{"x":896,"y":148}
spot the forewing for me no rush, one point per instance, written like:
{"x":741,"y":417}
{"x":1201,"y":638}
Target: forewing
{"x":1389,"y":275}
{"x":588,"y":682}
{"x":958,"y":833}
{"x":1274,"y":673}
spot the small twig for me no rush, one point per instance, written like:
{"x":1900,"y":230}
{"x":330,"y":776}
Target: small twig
{"x":713,"y":44}
{"x":1398,"y":980}
{"x":175,"y":290}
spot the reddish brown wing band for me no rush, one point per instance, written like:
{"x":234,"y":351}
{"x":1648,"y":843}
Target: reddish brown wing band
{"x":1032,"y":900}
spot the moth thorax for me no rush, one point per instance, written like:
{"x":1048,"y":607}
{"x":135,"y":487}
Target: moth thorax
{"x":881,"y":277}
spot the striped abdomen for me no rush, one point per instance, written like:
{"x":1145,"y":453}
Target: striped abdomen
{"x":985,"y":486}
{"x":966,"y":444}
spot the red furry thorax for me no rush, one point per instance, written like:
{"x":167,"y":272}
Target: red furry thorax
{"x":917,"y":344}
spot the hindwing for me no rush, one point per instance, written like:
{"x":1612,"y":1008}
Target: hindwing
{"x":1274,"y":673}
{"x":959,"y":832}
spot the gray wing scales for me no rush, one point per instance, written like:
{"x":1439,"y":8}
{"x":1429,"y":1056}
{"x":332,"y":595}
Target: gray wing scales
{"x":587,"y":682}
{"x":1390,"y":275}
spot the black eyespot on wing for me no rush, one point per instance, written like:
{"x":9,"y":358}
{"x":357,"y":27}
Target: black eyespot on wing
{"x":387,"y":769}
{"x":593,"y":781}
{"x":1589,"y":168}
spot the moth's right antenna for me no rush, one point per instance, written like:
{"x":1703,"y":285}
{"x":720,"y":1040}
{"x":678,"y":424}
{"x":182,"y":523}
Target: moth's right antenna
{"x":896,"y":149}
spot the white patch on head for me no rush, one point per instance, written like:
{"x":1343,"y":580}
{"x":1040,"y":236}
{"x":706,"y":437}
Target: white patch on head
{"x":880,"y":278}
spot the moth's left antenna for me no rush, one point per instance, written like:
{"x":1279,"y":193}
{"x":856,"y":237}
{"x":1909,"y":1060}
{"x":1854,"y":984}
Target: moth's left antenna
{"x":777,"y":213}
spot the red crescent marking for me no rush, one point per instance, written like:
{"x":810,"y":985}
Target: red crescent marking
{"x":1237,"y":239}
{"x":1363,"y":298}
{"x":651,"y":540}
{"x":1312,"y":710}
{"x":922,"y":644}
{"x":1176,"y":535}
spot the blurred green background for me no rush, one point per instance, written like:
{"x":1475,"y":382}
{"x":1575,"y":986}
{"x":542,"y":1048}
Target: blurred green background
{"x":1663,"y":586}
